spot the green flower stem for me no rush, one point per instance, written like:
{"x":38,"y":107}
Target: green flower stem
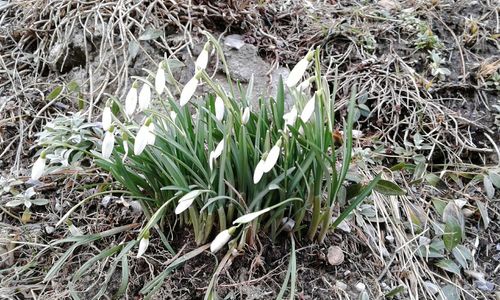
{"x":209,"y":223}
{"x":316,"y":205}
{"x":222,"y":218}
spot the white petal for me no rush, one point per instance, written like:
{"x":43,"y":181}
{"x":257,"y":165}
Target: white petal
{"x":183,"y":205}
{"x":211,"y":160}
{"x":190,"y":196}
{"x":29,"y":193}
{"x":219,"y":108}
{"x":297,"y":72}
{"x":202,"y":60}
{"x":143,"y":245}
{"x":173,"y":116}
{"x":160,"y":80}
{"x":246,"y":116}
{"x":308,"y":110}
{"x":107,"y":144}
{"x":259,"y":171}
{"x":188,"y":91}
{"x":304,"y":85}
{"x":218,"y":150}
{"x":272,"y":158}
{"x":125,"y":147}
{"x":220,"y":241}
{"x":131,"y":101}
{"x":144,"y":97}
{"x":251,"y":216}
{"x":106,"y":118}
{"x":291,"y":116}
{"x":356,"y":134}
{"x":38,"y":168}
{"x":141,"y":140}
{"x":151,"y":135}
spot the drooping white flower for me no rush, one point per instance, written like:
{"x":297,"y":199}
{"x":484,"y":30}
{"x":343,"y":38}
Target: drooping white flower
{"x":160,"y":79}
{"x":297,"y":72}
{"x":143,"y":246}
{"x":221,"y":239}
{"x":131,"y":101}
{"x":188,"y":90}
{"x":308,"y":109}
{"x":251,"y":216}
{"x":290,"y":117}
{"x":173,"y":116}
{"x":125,"y":148}
{"x":259,"y":171}
{"x":106,"y":118}
{"x":219,"y":108}
{"x":38,"y":167}
{"x":152,"y":136}
{"x":186,"y":201}
{"x":245,"y":116}
{"x":356,"y":134}
{"x":304,"y":85}
{"x":107,"y":144}
{"x":272,"y":158}
{"x":144,"y":97}
{"x":143,"y":137}
{"x":215,"y":154}
{"x":202,"y":60}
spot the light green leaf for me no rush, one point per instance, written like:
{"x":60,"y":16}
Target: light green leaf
{"x":389,"y":188}
{"x":488,"y":187}
{"x":55,"y":93}
{"x":150,"y":34}
{"x":494,"y":178}
{"x":452,"y":235}
{"x":462,"y":255}
{"x":449,"y":265}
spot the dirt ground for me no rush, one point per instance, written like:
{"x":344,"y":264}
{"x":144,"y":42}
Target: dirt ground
{"x":429,"y":80}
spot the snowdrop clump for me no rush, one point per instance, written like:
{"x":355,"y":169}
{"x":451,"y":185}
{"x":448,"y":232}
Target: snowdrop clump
{"x":221,"y":163}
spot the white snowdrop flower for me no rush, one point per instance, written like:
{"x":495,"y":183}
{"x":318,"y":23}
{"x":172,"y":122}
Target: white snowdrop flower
{"x":221,"y":239}
{"x":245,"y":116}
{"x":186,"y":201}
{"x":143,"y":137}
{"x":173,"y":116}
{"x":125,"y":148}
{"x":107,"y":144}
{"x":290,"y":117}
{"x":299,"y":70}
{"x":308,"y":109}
{"x":131,"y":100}
{"x":189,"y":90}
{"x":215,"y":153}
{"x":304,"y":85}
{"x":106,"y":118}
{"x":202,"y":60}
{"x":151,"y":136}
{"x":39,"y":166}
{"x":272,"y":157}
{"x":144,"y":97}
{"x":259,"y":172}
{"x":251,"y":216}
{"x":143,"y":246}
{"x":160,"y":79}
{"x":219,"y":108}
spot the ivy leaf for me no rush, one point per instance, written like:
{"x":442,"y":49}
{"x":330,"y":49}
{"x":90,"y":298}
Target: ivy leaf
{"x":462,"y":255}
{"x":449,"y":266}
{"x":495,"y":179}
{"x":488,"y":187}
{"x":150,"y":34}
{"x":452,"y":235}
{"x":389,"y":188}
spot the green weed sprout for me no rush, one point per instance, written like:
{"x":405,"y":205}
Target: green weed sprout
{"x":221,"y":165}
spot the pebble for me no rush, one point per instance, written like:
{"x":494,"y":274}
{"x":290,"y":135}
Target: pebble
{"x":49,"y":229}
{"x":341,"y":286}
{"x":360,"y":286}
{"x":390,"y":238}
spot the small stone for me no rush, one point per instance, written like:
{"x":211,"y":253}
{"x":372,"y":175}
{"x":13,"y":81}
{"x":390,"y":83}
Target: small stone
{"x":136,"y":206}
{"x":49,"y":229}
{"x":484,"y":285}
{"x":335,"y":255}
{"x":341,"y":286}
{"x":288,"y":224}
{"x":360,"y":287}
{"x":347,"y":273}
{"x":105,"y":201}
{"x":389,"y":238}
{"x":234,"y":41}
